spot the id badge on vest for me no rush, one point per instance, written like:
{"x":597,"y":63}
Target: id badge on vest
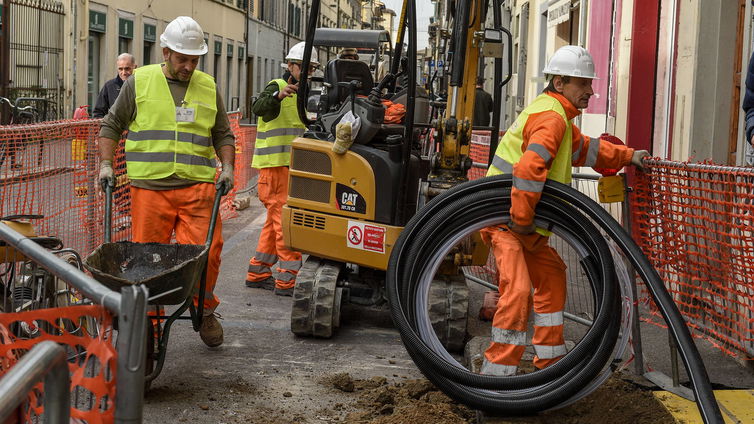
{"x":184,"y":114}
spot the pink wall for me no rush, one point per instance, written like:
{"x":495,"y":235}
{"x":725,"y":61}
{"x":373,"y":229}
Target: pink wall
{"x":598,"y":44}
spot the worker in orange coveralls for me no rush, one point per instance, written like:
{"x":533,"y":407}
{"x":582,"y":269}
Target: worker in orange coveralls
{"x":177,"y":124}
{"x":541,"y":144}
{"x":279,"y":124}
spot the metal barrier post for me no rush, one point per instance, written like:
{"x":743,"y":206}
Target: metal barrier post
{"x":635,"y":324}
{"x":45,"y":360}
{"x":132,"y":324}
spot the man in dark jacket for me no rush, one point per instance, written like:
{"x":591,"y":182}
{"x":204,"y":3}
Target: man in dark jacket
{"x":482,"y":105}
{"x":126,"y":65}
{"x":748,"y":105}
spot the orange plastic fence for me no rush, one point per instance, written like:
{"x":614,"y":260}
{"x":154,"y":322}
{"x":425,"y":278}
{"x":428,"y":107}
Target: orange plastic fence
{"x":479,"y":152}
{"x":86,"y":331}
{"x":50,"y":169}
{"x":694,"y":222}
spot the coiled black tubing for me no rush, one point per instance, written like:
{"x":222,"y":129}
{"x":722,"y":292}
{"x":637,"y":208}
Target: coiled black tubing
{"x":566,"y":211}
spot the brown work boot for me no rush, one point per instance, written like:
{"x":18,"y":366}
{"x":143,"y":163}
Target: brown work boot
{"x":284,"y":292}
{"x":211,"y":331}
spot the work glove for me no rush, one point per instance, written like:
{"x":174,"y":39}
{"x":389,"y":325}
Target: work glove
{"x":106,"y":174}
{"x":636,"y":159}
{"x":225,"y":180}
{"x":521,"y":229}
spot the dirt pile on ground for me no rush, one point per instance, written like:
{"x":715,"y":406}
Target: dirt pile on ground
{"x":410,"y":401}
{"x":418,"y":401}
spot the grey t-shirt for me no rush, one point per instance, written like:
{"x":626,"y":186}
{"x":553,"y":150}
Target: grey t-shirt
{"x":123,"y":112}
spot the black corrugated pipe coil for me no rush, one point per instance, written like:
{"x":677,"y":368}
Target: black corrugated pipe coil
{"x":585,"y":225}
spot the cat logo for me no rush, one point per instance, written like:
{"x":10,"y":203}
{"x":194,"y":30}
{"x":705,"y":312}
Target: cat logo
{"x":349,"y":200}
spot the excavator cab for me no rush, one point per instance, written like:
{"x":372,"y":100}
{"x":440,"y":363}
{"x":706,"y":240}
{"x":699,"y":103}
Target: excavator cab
{"x":347,"y":210}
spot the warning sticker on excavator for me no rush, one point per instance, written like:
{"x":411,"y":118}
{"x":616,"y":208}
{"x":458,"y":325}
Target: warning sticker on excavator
{"x":365,"y":237}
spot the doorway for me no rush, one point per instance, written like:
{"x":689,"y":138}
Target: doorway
{"x":735,"y":104}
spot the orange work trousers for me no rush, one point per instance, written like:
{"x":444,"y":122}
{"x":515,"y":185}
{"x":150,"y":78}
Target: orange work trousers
{"x":526,"y":262}
{"x":272,"y":187}
{"x":156,"y":214}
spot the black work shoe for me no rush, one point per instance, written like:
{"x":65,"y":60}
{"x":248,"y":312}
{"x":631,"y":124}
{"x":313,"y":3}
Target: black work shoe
{"x":284,"y":292}
{"x":211,"y":331}
{"x":266,"y":284}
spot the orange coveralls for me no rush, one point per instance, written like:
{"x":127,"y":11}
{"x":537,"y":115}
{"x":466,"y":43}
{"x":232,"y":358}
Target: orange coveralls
{"x":527,"y":262}
{"x":272,"y":187}
{"x":155,"y":213}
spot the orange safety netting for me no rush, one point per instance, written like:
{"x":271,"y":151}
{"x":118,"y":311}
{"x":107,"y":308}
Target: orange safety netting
{"x":694,"y":222}
{"x":242,"y":172}
{"x":50,"y":169}
{"x":479,"y":152}
{"x":86,"y":331}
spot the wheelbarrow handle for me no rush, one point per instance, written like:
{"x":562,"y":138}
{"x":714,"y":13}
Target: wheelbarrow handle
{"x":108,"y":211}
{"x":215,"y":209}
{"x":197,"y":319}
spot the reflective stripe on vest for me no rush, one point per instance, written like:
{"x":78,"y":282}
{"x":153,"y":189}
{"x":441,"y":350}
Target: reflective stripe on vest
{"x":273,"y":143}
{"x":509,"y":150}
{"x":157,"y":145}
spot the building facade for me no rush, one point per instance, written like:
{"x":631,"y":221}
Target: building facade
{"x":100,"y":31}
{"x":670,"y":71}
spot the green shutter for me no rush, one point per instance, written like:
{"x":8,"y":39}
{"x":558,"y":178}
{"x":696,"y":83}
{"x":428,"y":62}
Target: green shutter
{"x":125,"y":28}
{"x":218,"y":47}
{"x":150,"y":33}
{"x":97,"y":21}
{"x":229,"y":50}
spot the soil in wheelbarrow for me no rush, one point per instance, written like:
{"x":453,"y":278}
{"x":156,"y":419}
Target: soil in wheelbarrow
{"x":376,"y":401}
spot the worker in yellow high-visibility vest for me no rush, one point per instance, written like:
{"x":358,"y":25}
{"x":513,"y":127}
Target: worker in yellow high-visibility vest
{"x":177,"y":124}
{"x":278,"y":125}
{"x":541,"y":144}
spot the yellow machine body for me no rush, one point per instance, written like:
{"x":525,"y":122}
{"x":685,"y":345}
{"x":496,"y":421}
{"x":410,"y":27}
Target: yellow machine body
{"x":331,"y":204}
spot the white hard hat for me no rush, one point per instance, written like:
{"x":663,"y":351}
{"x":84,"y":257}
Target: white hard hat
{"x":184,"y":35}
{"x":571,"y":61}
{"x":297,"y":54}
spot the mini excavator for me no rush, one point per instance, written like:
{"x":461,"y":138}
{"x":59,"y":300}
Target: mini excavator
{"x":347,"y":210}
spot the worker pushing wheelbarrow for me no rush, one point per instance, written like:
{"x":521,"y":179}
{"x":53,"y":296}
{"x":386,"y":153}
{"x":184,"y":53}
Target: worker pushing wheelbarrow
{"x":173,"y":273}
{"x":177,"y":129}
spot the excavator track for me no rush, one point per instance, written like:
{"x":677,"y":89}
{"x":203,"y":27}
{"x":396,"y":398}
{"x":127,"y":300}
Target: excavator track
{"x":448,"y":305}
{"x":316,"y":299}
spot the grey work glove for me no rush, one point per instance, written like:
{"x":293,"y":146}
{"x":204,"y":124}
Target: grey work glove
{"x":225,"y":180}
{"x":638,"y":156}
{"x":522,"y":229}
{"x":106,"y":173}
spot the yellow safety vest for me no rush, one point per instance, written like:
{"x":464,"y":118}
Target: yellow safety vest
{"x":157,"y":145}
{"x":509,"y":149}
{"x":273,"y":143}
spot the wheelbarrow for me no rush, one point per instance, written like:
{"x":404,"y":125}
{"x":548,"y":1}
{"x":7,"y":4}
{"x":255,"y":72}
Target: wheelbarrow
{"x":170,"y":272}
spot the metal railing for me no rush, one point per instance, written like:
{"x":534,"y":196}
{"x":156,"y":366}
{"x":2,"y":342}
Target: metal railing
{"x":46,"y":360}
{"x":130,"y":308}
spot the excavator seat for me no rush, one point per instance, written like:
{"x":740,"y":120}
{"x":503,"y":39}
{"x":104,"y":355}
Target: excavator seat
{"x":339,"y":73}
{"x":344,"y":78}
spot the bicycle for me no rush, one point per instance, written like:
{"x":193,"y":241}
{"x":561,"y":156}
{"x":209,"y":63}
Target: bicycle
{"x":20,"y":115}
